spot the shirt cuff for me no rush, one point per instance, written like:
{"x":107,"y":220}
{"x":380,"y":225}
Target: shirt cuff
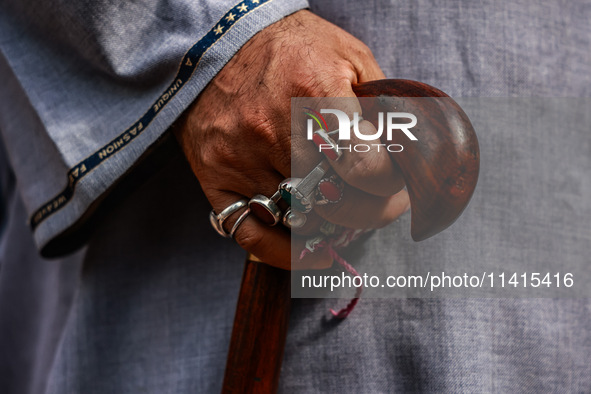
{"x":54,"y":214}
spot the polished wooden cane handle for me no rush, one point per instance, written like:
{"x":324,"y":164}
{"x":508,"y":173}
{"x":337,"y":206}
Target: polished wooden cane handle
{"x":441,"y":169}
{"x":440,"y":173}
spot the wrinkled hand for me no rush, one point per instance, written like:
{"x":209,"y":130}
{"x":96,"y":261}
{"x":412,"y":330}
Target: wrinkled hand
{"x":236,"y":135}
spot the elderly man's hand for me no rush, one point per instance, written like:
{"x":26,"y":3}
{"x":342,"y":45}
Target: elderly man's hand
{"x":236,"y":135}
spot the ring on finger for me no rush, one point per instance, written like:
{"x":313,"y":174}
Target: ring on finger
{"x":329,"y":190}
{"x":300,"y":192}
{"x":294,"y":219}
{"x":266,"y":209}
{"x":217,"y":220}
{"x":241,"y":219}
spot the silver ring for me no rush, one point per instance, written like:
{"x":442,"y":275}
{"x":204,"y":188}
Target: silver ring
{"x":217,"y":220}
{"x":294,"y":219}
{"x":239,"y":222}
{"x":265,"y":209}
{"x":303,"y":191}
{"x":329,"y":190}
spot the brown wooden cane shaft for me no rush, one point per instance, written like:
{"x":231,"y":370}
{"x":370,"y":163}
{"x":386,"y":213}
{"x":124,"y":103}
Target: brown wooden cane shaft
{"x":260,"y":329}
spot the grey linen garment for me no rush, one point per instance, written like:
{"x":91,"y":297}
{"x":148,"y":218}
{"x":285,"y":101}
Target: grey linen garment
{"x":146,"y":304}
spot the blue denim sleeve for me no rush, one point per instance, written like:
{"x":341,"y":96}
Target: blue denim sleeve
{"x":90,"y":86}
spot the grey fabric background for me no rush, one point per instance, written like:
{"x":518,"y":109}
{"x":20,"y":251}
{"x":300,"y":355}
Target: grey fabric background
{"x":153,"y":306}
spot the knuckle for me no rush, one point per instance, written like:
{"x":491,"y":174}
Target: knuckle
{"x":275,"y":136}
{"x":359,"y":47}
{"x":248,"y":238}
{"x":362,"y":167}
{"x":223,"y":154}
{"x":332,"y":79}
{"x":365,"y":51}
{"x":260,"y":128}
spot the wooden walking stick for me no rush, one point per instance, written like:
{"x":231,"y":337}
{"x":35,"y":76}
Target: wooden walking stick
{"x":260,"y":329}
{"x":440,"y":175}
